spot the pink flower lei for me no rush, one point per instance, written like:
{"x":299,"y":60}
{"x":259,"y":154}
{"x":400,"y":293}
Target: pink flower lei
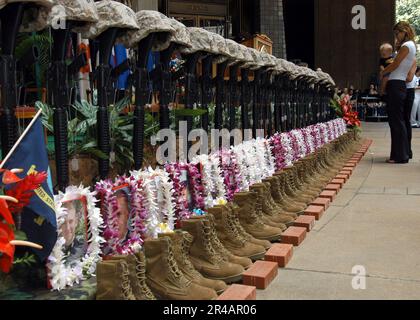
{"x":278,"y":151}
{"x":231,"y":172}
{"x":182,"y":210}
{"x":109,"y":208}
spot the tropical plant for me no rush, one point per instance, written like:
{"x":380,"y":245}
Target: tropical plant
{"x":344,"y":109}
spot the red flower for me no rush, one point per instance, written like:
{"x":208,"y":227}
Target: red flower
{"x":9,"y":177}
{"x":24,"y":190}
{"x":5,"y":212}
{"x":7,"y":250}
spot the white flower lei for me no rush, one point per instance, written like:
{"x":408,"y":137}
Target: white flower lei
{"x":250,"y":158}
{"x":158,"y":192}
{"x":212,"y":179}
{"x":61,"y":274}
{"x":261,"y":159}
{"x":288,"y":157}
{"x":271,"y":161}
{"x":238,"y":152}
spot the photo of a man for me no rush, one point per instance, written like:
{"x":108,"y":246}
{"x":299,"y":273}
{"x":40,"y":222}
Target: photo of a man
{"x":123,"y":212}
{"x":74,"y":230}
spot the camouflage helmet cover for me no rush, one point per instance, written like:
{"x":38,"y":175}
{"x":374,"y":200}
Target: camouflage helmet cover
{"x":150,"y":22}
{"x":112,"y":14}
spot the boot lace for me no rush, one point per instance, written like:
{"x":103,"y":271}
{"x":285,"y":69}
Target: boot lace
{"x":126,"y":287}
{"x":186,"y":242}
{"x":174,"y":272}
{"x":141,"y":276}
{"x":214,"y":257}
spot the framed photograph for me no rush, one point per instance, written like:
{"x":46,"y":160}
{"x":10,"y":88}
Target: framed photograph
{"x":79,"y":240}
{"x":124,"y":213}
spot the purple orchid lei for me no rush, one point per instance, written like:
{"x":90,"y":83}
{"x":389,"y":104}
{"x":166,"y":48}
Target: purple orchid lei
{"x":106,"y":190}
{"x":231,"y":172}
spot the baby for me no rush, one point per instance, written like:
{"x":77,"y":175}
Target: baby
{"x":387,"y":58}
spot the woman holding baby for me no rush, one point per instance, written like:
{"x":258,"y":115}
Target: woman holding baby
{"x":398,"y":74}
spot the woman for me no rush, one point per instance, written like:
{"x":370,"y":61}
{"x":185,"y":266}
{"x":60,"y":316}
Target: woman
{"x":397,"y":91}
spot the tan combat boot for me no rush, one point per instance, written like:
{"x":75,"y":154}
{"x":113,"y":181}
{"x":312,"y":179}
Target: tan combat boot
{"x":233,"y":216}
{"x":305,"y":174}
{"x":276,"y":196}
{"x":137,"y":275}
{"x":164,"y":277}
{"x":113,"y":281}
{"x":283,"y":200}
{"x":220,"y":249}
{"x":245,"y":262}
{"x":251,"y":219}
{"x":265,"y":218}
{"x":231,"y":236}
{"x":182,"y":241}
{"x":293,"y":190}
{"x":287,"y":193}
{"x":271,"y":212}
{"x":299,"y":185}
{"x":205,"y":258}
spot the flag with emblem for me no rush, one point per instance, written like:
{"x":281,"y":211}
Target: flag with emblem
{"x":38,"y":219}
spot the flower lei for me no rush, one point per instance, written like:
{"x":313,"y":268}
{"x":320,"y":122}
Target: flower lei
{"x":60,"y":273}
{"x":287,"y":145}
{"x":213,"y":183}
{"x":298,"y":143}
{"x":181,"y":204}
{"x":309,"y":140}
{"x":278,"y":151}
{"x":149,"y":194}
{"x":238,"y":152}
{"x":231,"y":172}
{"x":194,"y":178}
{"x":138,"y":214}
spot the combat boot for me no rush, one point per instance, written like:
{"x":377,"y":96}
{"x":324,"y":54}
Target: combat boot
{"x":222,"y":250}
{"x":274,"y":189}
{"x":164,"y":277}
{"x":231,"y":237}
{"x":182,"y":241}
{"x":205,"y":258}
{"x":265,"y":218}
{"x":113,"y":281}
{"x":288,"y":194}
{"x":233,"y":215}
{"x":272,"y":213}
{"x":293,"y":189}
{"x":283,"y":200}
{"x":305,"y":174}
{"x":137,"y":275}
{"x":251,"y":220}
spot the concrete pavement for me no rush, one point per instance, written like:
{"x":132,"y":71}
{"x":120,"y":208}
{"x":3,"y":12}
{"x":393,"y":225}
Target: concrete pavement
{"x":374,"y":222}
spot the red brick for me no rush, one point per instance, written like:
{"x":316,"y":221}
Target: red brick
{"x":305,"y":221}
{"x":294,"y":235}
{"x":357,"y":159}
{"x":281,"y":253}
{"x":353,"y":161}
{"x":333,"y":187}
{"x":341,"y":182}
{"x":321,"y":202}
{"x":345,"y":168}
{"x":350,"y":164}
{"x":314,"y":210}
{"x":346,"y":172}
{"x":239,"y":292}
{"x":328,"y":194}
{"x":260,"y":274}
{"x":344,"y":177}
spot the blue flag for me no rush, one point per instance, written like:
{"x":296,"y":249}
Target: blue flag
{"x":38,"y":218}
